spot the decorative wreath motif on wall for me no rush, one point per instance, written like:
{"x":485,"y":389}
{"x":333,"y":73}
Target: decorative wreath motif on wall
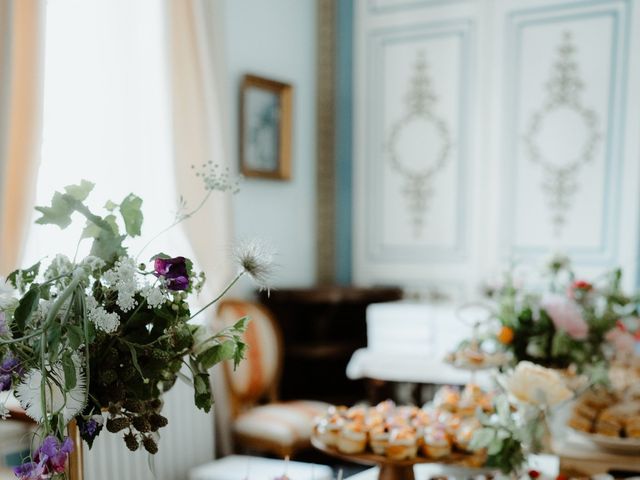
{"x":560,"y":182}
{"x":418,"y":181}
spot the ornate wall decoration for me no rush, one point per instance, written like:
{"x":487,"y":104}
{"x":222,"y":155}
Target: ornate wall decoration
{"x":418,"y":181}
{"x":563,"y":90}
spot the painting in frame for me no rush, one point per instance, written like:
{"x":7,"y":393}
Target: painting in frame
{"x":265,"y":128}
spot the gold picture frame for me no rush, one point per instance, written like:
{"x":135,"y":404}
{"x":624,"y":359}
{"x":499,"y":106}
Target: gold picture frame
{"x":265,"y":128}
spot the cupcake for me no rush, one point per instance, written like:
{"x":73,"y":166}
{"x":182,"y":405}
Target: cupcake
{"x":451,"y":422}
{"x":328,"y":430}
{"x":472,"y":398}
{"x":386,"y":408}
{"x":436,"y":442}
{"x":374,"y":418}
{"x":403,"y":444}
{"x":379,"y":439}
{"x":465,"y":434}
{"x":352,"y":438}
{"x":447,"y":398}
{"x":356,"y":413}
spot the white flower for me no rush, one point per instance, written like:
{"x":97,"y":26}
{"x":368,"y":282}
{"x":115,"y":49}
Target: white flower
{"x":536,"y":385}
{"x":153,"y":295}
{"x":70,"y":403}
{"x":60,"y":265}
{"x":255,"y":259}
{"x":103,"y":320}
{"x":7,"y":295}
{"x":92,"y":264}
{"x":122,"y":278}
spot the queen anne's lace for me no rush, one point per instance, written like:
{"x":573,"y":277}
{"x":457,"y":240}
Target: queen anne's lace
{"x":154,"y":296}
{"x":103,"y":320}
{"x":122,"y":279}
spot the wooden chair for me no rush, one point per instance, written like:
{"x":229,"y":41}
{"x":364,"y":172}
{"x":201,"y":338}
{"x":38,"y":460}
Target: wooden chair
{"x":259,"y":421}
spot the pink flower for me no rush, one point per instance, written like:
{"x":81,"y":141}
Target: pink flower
{"x":565,"y":315}
{"x":621,"y":340}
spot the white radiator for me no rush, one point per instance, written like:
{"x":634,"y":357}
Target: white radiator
{"x":187,"y":441}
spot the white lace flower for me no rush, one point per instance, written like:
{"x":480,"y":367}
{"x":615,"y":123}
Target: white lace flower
{"x":60,"y":265}
{"x":154,"y":296}
{"x":92,"y":264}
{"x":536,"y":385}
{"x":69,"y":403}
{"x":103,"y":320}
{"x":255,"y":259}
{"x":123,"y":279}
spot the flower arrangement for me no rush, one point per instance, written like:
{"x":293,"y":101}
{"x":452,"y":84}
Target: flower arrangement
{"x":99,"y":340}
{"x":572,"y":323}
{"x":519,"y":424}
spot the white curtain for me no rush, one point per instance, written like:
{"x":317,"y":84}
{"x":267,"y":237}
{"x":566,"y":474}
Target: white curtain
{"x":21,"y":63}
{"x":117,"y":113}
{"x":198,"y":74}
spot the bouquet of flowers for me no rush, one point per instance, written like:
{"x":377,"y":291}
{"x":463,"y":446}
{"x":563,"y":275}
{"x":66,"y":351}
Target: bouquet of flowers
{"x":520,"y":423}
{"x":569,"y":324}
{"x":97,"y":341}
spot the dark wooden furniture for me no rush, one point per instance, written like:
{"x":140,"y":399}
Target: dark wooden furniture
{"x":322,"y":327}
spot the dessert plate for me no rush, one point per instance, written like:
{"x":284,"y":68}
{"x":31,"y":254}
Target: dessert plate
{"x":612,"y":444}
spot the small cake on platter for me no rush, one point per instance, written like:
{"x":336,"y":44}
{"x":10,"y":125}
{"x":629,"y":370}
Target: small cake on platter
{"x":353,"y":438}
{"x":379,"y":439}
{"x":609,"y":423}
{"x":328,"y":429}
{"x":578,"y":422}
{"x":447,"y":398}
{"x":386,"y":407}
{"x":632,"y":427}
{"x":465,"y":433}
{"x":436,"y":442}
{"x":403,"y":444}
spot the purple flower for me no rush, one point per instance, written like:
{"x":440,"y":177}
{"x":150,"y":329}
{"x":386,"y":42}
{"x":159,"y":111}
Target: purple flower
{"x":174,"y":271}
{"x":30,"y":471}
{"x":9,"y":366}
{"x":53,"y":454}
{"x":90,"y":429}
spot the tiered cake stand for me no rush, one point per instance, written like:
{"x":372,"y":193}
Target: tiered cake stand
{"x":400,"y":469}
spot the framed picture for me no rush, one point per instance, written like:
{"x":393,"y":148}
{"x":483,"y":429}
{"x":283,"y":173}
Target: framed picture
{"x":265,"y":128}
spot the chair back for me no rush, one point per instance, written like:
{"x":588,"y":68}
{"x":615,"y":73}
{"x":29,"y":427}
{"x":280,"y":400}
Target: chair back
{"x":257,"y":377}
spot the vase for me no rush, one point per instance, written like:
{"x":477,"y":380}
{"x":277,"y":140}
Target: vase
{"x":76,"y":468}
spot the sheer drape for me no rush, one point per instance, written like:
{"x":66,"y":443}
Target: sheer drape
{"x":199,"y":113}
{"x":21,"y":74}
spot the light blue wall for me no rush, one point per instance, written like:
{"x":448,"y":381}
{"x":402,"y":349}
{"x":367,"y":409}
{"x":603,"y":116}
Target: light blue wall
{"x":277,"y":39}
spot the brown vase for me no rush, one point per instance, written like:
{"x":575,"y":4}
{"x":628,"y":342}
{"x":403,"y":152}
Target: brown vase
{"x":75,"y":470}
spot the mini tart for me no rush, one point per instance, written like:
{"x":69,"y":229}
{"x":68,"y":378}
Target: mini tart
{"x":632,"y":427}
{"x":353,"y":438}
{"x":328,"y":430}
{"x":465,"y":433}
{"x":403,"y":444}
{"x":578,"y":422}
{"x":379,"y":439}
{"x":386,"y":408}
{"x":447,"y":398}
{"x":436,"y":443}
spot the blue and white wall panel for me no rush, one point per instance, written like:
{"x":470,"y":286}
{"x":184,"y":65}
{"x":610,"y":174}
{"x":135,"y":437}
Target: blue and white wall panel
{"x":417,"y":92}
{"x":492,"y":131}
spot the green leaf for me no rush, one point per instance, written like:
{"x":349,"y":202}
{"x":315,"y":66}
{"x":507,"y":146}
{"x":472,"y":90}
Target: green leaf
{"x":482,"y":438}
{"x":108,"y":246}
{"x":92,"y":230}
{"x":132,"y":214}
{"x":202,"y":391}
{"x":59,"y":213}
{"x":75,"y":336}
{"x":24,"y":277}
{"x":217,"y":353}
{"x":53,"y":341}
{"x":69,"y":369}
{"x":241,"y":349}
{"x":27,"y":305}
{"x":80,"y":192}
{"x":241,"y":325}
{"x":136,"y":365}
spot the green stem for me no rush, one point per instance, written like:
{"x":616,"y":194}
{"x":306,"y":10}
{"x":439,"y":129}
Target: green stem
{"x":178,"y":221}
{"x":43,"y":383}
{"x":21,"y":339}
{"x":212,"y":302}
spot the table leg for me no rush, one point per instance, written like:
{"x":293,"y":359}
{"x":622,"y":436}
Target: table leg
{"x":396,"y":472}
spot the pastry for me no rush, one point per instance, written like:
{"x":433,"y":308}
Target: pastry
{"x":578,"y":422}
{"x":356,"y":413}
{"x":403,"y":444}
{"x":386,"y":407}
{"x":447,"y":398}
{"x":436,"y":442}
{"x":379,"y":439}
{"x":465,"y":433}
{"x":609,"y":424}
{"x":632,"y":427}
{"x":328,"y":429}
{"x":352,"y":438}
